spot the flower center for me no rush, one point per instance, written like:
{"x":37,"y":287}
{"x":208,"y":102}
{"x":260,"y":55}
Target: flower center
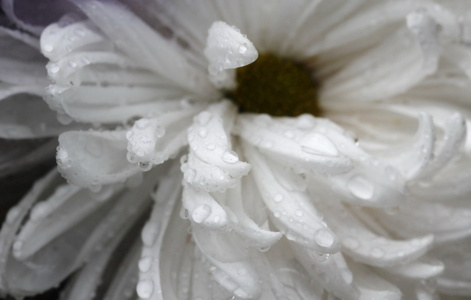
{"x":276,"y":86}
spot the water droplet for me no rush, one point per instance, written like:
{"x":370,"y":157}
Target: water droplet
{"x":144,"y":166}
{"x":39,"y":211}
{"x":278,"y":198}
{"x":324,"y":238}
{"x":276,"y":214}
{"x":299,"y":213}
{"x":149,"y":233}
{"x":145,"y":288}
{"x":201,"y":213}
{"x":361,"y":187}
{"x":54,"y":68}
{"x":230,"y":157}
{"x":145,"y":264}
{"x":242,"y":49}
{"x":48,"y":48}
{"x":72,"y":64}
{"x":211,"y":147}
{"x":203,"y":133}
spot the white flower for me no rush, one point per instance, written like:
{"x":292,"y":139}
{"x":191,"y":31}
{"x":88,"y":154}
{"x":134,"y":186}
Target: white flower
{"x":368,"y":200}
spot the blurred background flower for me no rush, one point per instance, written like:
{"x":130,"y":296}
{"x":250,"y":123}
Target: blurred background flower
{"x":263,"y":150}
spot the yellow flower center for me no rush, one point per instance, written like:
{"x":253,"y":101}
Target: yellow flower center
{"x":276,"y":86}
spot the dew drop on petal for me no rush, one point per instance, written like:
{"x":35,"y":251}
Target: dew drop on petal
{"x":323,"y":237}
{"x":149,"y":234}
{"x":361,"y":187}
{"x":145,"y":264}
{"x":48,"y":48}
{"x":230,"y":157}
{"x":278,"y":198}
{"x":201,"y":213}
{"x":145,"y":288}
{"x":39,"y":211}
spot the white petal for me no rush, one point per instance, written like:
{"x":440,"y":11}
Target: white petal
{"x":292,"y":212}
{"x":151,"y":141}
{"x":455,"y":134}
{"x":231,"y":263}
{"x":365,"y":246}
{"x":414,"y":158}
{"x":332,"y":273}
{"x":227,"y":49}
{"x":151,"y":279}
{"x":140,"y":42}
{"x":393,"y":67}
{"x":212,"y":165}
{"x":300,"y":145}
{"x":46,"y":220}
{"x":371,"y":286}
{"x":91,"y":159}
{"x":28,"y":116}
{"x":420,"y":269}
{"x":203,"y":209}
{"x":253,"y":234}
{"x":14,"y":220}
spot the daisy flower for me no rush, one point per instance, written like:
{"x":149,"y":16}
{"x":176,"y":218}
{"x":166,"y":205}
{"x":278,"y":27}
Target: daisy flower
{"x":252,"y":150}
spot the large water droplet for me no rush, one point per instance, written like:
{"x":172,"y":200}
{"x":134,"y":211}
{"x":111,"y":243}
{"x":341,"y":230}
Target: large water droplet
{"x":324,"y":238}
{"x":145,"y":264}
{"x":149,"y":234}
{"x":230,"y":157}
{"x":145,"y":288}
{"x":361,"y":187}
{"x":201,"y":213}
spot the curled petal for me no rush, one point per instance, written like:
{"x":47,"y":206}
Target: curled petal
{"x":365,"y":246}
{"x":203,"y":208}
{"x":299,"y":145}
{"x":212,"y":165}
{"x":91,"y":159}
{"x":231,"y":265}
{"x":151,"y":141}
{"x":292,"y":212}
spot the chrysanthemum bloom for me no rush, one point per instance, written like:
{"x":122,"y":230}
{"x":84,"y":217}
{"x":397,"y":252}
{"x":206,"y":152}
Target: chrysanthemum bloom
{"x":264,"y":150}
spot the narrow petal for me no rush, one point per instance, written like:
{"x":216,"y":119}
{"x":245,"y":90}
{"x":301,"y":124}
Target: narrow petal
{"x":292,"y":212}
{"x":332,"y":273}
{"x":231,"y":263}
{"x":227,"y":49}
{"x":212,"y":164}
{"x":141,"y":43}
{"x":363,"y":245}
{"x":152,"y":141}
{"x":302,"y":146}
{"x":46,"y":220}
{"x":151,"y":279}
{"x":393,"y":67}
{"x":14,"y":220}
